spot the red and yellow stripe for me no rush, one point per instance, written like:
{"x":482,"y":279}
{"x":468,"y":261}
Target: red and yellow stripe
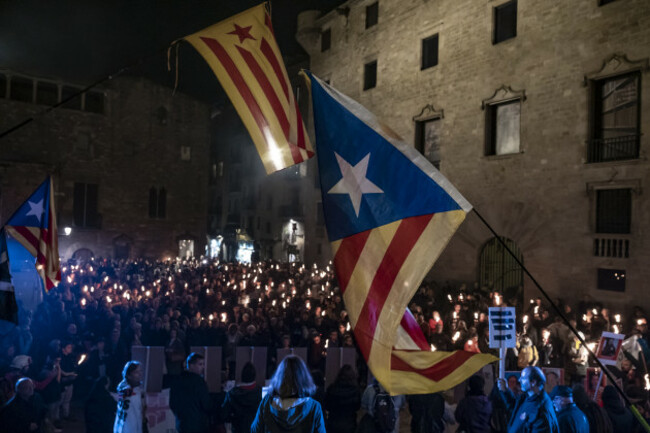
{"x":379,"y":271}
{"x":251,"y":71}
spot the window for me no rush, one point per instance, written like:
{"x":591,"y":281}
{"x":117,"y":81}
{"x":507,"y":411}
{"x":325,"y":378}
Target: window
{"x":429,"y":52}
{"x":186,"y":153}
{"x":613,"y":210}
{"x":3,"y":85}
{"x":325,"y":40}
{"x":427,"y":139}
{"x":372,"y":14}
{"x":505,"y":22}
{"x":604,"y":2}
{"x":502,"y":128}
{"x":157,"y":203}
{"x":21,"y":89}
{"x":47,"y":93}
{"x":95,"y":102}
{"x":370,"y":75}
{"x":615,"y":119}
{"x":75,"y":102}
{"x":85,"y":205}
{"x":611,"y":279}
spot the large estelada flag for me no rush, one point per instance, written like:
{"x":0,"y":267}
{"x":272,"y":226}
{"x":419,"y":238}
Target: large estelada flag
{"x":389,"y":214}
{"x":245,"y":57}
{"x":33,"y":225}
{"x":8,"y":306}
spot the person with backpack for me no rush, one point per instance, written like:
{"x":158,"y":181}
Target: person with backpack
{"x":382,"y":408}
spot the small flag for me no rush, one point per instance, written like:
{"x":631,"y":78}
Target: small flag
{"x":8,"y":306}
{"x":245,"y":57}
{"x":33,"y":225}
{"x":389,"y":214}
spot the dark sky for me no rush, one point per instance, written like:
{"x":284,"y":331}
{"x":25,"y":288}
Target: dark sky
{"x":85,"y":40}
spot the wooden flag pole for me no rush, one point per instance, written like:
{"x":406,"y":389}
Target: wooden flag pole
{"x":559,"y":312}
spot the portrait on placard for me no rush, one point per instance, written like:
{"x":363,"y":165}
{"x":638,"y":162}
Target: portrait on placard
{"x":591,"y":383}
{"x":512,"y":381}
{"x":554,"y":377}
{"x":609,"y":347}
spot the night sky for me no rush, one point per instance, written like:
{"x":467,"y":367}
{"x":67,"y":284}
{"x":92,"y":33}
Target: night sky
{"x":82,"y":41}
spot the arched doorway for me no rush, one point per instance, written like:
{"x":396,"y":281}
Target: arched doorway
{"x":498,"y":269}
{"x":82,"y":255}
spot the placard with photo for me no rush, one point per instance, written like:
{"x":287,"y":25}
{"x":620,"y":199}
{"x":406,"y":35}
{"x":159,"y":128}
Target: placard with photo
{"x":554,"y":377}
{"x":609,"y":347}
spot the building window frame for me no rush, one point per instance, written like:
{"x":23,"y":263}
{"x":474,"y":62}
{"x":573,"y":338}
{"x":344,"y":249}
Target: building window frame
{"x":85,"y":205}
{"x":428,"y":114}
{"x":326,"y":40}
{"x":372,"y":15}
{"x":601,"y":149}
{"x":503,"y":96}
{"x":499,"y":21}
{"x":370,"y":75}
{"x":157,"y":203}
{"x":429,"y":56}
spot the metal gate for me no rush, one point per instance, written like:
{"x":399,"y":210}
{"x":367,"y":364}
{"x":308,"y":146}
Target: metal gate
{"x":499,"y":271}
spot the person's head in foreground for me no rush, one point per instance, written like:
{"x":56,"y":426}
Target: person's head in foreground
{"x":292,"y":379}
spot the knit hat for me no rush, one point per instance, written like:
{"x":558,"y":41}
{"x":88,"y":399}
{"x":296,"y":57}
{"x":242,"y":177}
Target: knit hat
{"x":21,"y":361}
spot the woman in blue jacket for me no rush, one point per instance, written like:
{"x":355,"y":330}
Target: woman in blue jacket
{"x":288,"y":407}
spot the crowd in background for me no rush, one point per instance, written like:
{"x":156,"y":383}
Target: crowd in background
{"x":85,"y":328}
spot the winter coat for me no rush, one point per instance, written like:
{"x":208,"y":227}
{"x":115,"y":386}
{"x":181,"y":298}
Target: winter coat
{"x":572,"y":420}
{"x":597,"y":418}
{"x":427,"y":411}
{"x":291,"y":415}
{"x":342,"y":402}
{"x":530,"y":414}
{"x":240,"y":405}
{"x":473,"y":414}
{"x":17,"y":415}
{"x":621,"y":417}
{"x":100,"y":412}
{"x":189,"y":399}
{"x":527,"y":355}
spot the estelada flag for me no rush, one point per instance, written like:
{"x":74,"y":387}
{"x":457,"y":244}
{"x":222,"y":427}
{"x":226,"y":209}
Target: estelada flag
{"x":34,"y":226}
{"x":389,"y":214}
{"x":245,"y":57}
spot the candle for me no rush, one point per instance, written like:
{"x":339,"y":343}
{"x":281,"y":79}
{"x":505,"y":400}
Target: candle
{"x":433,"y":348}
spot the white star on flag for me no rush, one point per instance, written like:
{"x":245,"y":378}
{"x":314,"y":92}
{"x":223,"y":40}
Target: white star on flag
{"x":36,"y":209}
{"x":354,"y":181}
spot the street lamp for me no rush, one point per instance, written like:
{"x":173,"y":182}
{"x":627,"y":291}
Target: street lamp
{"x":67,"y":230}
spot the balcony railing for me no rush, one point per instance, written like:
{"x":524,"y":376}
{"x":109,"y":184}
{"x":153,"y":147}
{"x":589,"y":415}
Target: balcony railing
{"x":613,"y":149}
{"x":612,"y":247}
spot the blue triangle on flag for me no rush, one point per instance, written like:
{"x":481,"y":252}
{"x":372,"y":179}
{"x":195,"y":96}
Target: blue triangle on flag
{"x":34,"y":212}
{"x":406,"y":191}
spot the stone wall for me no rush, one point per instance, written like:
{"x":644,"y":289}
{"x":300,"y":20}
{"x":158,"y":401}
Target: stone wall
{"x":542,"y":198}
{"x":133,"y":146}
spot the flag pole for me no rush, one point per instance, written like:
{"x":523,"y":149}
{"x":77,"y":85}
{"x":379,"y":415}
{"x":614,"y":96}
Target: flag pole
{"x":633,"y":408}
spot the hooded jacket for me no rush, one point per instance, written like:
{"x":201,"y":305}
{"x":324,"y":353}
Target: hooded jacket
{"x":240,"y":405}
{"x":290,"y":415}
{"x":342,"y":401}
{"x":473,"y":414}
{"x":621,"y":417}
{"x":189,"y":399}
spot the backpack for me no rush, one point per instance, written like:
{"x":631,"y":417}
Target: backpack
{"x":384,"y":411}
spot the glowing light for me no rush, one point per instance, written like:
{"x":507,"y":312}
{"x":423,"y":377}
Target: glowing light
{"x":108,"y":299}
{"x":525,"y":319}
{"x":69,"y":279}
{"x":211,"y":317}
{"x":127,"y":296}
{"x":449,"y":297}
{"x":224,"y":316}
{"x":67,"y":230}
{"x":273,"y":303}
{"x":646,"y":377}
{"x":470,"y":342}
{"x":497,"y":299}
{"x":594,"y":311}
{"x":591,"y":346}
{"x":106,"y":278}
{"x":85,"y":289}
{"x":456,"y":336}
{"x":433,"y":348}
{"x":308,"y":305}
{"x":617,"y":318}
{"x":83,"y":302}
{"x":83,"y":358}
{"x":148,"y":293}
{"x":327,"y":343}
{"x":616,"y":330}
{"x":322,"y":314}
{"x":347,"y":327}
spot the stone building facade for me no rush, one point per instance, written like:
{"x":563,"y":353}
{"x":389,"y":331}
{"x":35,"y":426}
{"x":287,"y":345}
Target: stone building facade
{"x":277,"y":213}
{"x":129,"y":162}
{"x":535,"y":111}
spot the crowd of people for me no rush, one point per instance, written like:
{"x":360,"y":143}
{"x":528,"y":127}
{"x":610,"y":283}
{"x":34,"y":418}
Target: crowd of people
{"x":77,"y":343}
